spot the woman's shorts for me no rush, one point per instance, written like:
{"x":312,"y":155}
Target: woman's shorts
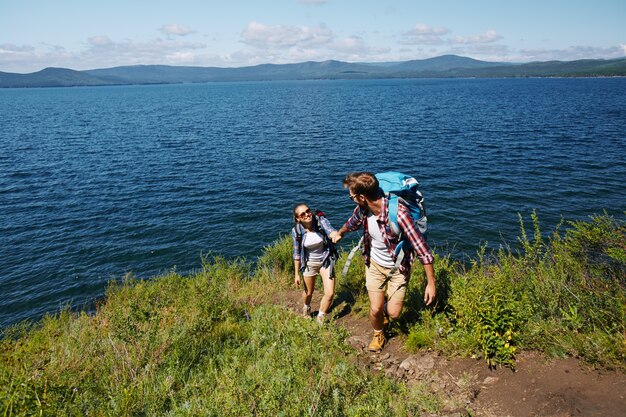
{"x":312,"y":269}
{"x":375,"y":276}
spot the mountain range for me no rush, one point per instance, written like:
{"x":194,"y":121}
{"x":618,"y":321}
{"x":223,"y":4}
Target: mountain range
{"x":446,"y":66}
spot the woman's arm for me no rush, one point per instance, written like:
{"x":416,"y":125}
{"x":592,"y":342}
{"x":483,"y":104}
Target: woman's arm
{"x":296,"y":277}
{"x":326,"y":226}
{"x":297,"y":246}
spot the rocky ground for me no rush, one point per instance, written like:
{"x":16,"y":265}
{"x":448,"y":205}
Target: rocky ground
{"x":539,"y":387}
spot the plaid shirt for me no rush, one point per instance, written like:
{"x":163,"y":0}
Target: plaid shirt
{"x":419,"y":247}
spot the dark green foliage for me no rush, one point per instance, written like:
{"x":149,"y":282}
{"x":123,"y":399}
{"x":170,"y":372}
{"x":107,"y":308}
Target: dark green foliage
{"x":563,"y":295}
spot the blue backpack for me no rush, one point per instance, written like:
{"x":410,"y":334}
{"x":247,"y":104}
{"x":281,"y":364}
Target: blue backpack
{"x":400,"y":188}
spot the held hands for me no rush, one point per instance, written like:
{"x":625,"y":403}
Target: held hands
{"x":335,"y":237}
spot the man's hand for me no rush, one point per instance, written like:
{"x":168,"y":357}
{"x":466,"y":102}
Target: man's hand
{"x":430,"y":293}
{"x":336,"y":237}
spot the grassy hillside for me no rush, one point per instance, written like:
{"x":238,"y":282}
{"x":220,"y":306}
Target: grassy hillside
{"x":214,"y":344}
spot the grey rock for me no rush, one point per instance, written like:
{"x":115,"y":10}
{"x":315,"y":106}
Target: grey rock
{"x":418,"y":363}
{"x":490,"y":380}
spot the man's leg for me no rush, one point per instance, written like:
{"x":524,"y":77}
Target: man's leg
{"x":396,"y":290}
{"x":377,"y":300}
{"x":374,"y":277}
{"x":394,"y":306}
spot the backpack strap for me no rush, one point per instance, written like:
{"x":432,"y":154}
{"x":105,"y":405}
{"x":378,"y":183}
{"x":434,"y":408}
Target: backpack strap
{"x":392,"y":208}
{"x":358,"y":246}
{"x":399,"y":258}
{"x":299,"y":231}
{"x":333,"y":254}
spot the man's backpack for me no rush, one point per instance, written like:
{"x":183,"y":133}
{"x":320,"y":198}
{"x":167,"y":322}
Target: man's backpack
{"x":400,"y":188}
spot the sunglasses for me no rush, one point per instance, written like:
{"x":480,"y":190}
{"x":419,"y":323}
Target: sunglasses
{"x":352,"y":196}
{"x":304,"y":214}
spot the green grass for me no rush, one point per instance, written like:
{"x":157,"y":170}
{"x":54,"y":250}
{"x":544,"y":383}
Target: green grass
{"x":207,"y":344}
{"x":212,"y":344}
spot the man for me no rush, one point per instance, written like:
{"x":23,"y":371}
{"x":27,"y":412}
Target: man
{"x":380,"y":242}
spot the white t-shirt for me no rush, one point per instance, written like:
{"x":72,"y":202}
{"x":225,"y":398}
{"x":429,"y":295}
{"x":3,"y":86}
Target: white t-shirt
{"x":378,"y":250}
{"x":314,"y":245}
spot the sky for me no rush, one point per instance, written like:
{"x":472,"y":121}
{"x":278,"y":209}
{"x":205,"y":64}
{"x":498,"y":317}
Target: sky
{"x":90,"y":34}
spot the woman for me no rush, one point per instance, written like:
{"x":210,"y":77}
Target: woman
{"x":313,"y":253}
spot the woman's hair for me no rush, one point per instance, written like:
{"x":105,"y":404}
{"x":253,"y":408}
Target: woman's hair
{"x":364,"y":183}
{"x":295,"y":208}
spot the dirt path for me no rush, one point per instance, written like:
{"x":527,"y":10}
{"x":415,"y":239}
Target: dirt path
{"x":539,"y":387}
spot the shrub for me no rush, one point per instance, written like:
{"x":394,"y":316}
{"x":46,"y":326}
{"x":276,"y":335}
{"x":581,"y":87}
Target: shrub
{"x":562,"y":295}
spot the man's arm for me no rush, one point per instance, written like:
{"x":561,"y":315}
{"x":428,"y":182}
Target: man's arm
{"x":431,"y":290}
{"x":418,"y":243}
{"x":353,"y":223}
{"x":416,"y":239}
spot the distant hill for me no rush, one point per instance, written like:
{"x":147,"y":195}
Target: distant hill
{"x":442,"y":63}
{"x":446,"y":66}
{"x":51,"y":77}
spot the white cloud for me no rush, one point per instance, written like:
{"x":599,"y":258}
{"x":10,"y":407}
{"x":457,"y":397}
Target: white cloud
{"x":487,"y":37}
{"x":357,"y":48}
{"x":99,"y":41}
{"x":570,"y":54}
{"x":176,"y":30}
{"x":423,"y":34}
{"x":7,"y":48}
{"x":165,"y":51}
{"x":282,"y":36}
{"x":351,"y":44}
{"x":182,"y":57}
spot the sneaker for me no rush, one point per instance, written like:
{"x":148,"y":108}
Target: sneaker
{"x":377,"y":343}
{"x":306,"y":311}
{"x":320,"y":320}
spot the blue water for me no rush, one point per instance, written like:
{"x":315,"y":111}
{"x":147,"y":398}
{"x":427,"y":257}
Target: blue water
{"x":99,"y":182}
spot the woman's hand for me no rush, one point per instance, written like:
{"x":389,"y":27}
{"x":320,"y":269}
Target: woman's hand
{"x":335,"y":237}
{"x":297,"y":280}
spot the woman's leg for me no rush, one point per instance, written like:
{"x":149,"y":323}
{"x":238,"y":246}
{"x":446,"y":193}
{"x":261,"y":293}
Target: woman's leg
{"x":329,"y":290}
{"x":309,"y":286}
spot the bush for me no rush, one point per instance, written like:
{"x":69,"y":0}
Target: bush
{"x":561,"y":295}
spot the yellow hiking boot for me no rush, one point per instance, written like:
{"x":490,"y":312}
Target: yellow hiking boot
{"x":377,"y":343}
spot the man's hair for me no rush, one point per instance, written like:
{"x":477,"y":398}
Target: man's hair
{"x":364,"y":183}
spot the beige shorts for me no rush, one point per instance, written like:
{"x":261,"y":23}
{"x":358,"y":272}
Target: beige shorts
{"x":375,"y":275}
{"x":312,"y":269}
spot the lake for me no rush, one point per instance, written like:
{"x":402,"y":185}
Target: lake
{"x":99,"y":182}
